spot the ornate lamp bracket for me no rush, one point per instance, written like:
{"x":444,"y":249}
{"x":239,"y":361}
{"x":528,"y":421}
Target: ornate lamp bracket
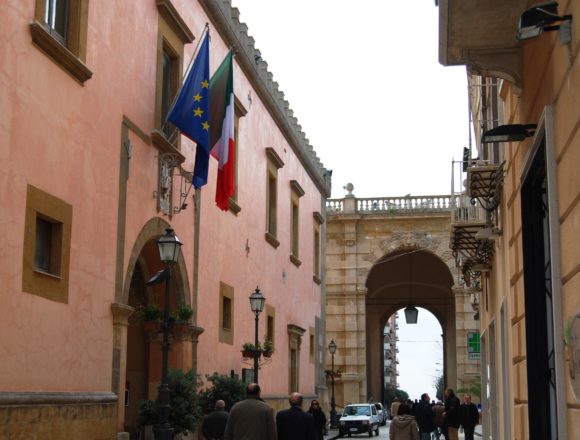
{"x":170,"y":169}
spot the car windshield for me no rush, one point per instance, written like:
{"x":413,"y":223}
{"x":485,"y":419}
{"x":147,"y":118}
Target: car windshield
{"x":357,"y":411}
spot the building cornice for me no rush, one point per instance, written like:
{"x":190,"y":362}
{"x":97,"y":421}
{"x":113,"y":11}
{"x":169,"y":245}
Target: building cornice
{"x":225,"y":18}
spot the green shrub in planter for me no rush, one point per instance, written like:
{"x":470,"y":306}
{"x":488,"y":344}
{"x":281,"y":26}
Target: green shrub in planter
{"x":184,"y":400}
{"x":150,"y":312}
{"x":226,"y":388}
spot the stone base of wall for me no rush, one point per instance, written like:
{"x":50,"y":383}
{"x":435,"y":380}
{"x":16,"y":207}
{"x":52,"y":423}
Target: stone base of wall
{"x":47,"y":416}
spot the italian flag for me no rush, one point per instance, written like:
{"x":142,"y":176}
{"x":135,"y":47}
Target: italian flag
{"x":221,"y":89}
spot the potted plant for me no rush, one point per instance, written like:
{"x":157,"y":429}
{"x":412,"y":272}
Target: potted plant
{"x":329,"y":374}
{"x":150,"y":316}
{"x":185,"y":413}
{"x":180,"y":318}
{"x":249,"y":350}
{"x":268,"y":348}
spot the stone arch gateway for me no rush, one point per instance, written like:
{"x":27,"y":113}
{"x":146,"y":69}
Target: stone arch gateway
{"x":409,"y":276}
{"x":383,"y":254}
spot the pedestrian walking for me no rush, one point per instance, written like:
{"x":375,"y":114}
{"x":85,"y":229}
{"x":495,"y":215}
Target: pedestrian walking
{"x":438,"y":419}
{"x":404,"y":426}
{"x":319,"y":419}
{"x":251,"y":419}
{"x":451,"y":414}
{"x":214,"y":425}
{"x":394,"y":407}
{"x":424,"y":415}
{"x":293,"y":423}
{"x":469,"y":416}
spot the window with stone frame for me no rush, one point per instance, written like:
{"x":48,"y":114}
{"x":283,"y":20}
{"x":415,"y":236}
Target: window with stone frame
{"x":59,"y":29}
{"x":239,"y":112}
{"x":295,"y":194}
{"x":226,"y":314}
{"x":273,"y":165}
{"x":318,"y":221}
{"x":46,"y":249}
{"x":270,"y":324}
{"x":173,"y":35}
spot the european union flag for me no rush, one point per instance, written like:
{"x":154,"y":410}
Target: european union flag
{"x":190,"y":113}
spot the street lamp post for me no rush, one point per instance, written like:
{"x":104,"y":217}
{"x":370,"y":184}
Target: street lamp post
{"x":169,"y":247}
{"x":257,"y":301}
{"x":333,"y":418}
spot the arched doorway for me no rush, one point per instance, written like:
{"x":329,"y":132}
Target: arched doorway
{"x":142,"y":373}
{"x":408,"y":277}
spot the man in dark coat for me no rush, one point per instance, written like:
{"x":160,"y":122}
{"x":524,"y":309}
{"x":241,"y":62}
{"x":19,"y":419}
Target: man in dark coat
{"x":214,"y":425}
{"x":469,"y":416}
{"x":424,"y":415}
{"x":293,"y":423}
{"x":251,"y":419}
{"x":451,"y":415}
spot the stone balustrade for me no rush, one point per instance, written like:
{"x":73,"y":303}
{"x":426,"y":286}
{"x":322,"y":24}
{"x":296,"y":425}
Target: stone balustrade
{"x":391,"y":205}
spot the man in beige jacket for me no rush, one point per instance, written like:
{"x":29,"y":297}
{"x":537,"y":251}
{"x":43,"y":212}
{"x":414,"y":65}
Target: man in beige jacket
{"x":251,"y":419}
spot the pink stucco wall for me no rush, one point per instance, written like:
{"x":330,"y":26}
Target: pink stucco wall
{"x":65,"y":139}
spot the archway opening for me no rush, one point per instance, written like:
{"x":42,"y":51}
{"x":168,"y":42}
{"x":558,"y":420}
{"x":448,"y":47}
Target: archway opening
{"x":419,"y":278}
{"x":144,"y":354}
{"x":415,"y":354}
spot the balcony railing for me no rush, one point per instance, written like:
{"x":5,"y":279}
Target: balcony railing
{"x":390,"y":205}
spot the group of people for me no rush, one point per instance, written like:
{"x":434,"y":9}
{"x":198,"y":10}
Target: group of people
{"x":421,"y":420}
{"x":253,"y":419}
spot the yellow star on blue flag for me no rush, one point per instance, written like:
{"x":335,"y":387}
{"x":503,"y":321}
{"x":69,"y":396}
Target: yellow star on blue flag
{"x":190,"y":113}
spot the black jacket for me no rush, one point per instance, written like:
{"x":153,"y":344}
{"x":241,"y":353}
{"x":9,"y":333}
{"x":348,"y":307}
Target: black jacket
{"x":214,"y":425}
{"x":295,"y":424}
{"x":424,"y":415}
{"x":319,"y":422}
{"x":469,"y":415}
{"x":452,"y":412}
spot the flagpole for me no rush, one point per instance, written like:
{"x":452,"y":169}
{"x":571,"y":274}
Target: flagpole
{"x":205,"y":31}
{"x":195,"y":271}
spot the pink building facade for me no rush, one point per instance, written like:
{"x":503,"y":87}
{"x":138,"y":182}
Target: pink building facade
{"x":90,"y":179}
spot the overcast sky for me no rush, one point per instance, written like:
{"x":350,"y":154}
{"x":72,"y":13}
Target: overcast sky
{"x":367,"y":88}
{"x":364,"y":81}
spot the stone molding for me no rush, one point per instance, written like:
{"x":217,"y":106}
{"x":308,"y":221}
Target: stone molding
{"x":48,"y":398}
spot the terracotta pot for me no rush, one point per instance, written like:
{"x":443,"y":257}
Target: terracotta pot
{"x":178,"y":328}
{"x":152,"y":326}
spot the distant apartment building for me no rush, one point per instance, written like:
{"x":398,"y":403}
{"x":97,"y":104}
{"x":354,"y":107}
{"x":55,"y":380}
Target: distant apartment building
{"x":91,"y":176}
{"x":391,"y":350}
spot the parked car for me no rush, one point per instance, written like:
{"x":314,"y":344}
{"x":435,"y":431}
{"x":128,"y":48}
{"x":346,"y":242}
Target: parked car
{"x":382,"y":412}
{"x":359,"y":418}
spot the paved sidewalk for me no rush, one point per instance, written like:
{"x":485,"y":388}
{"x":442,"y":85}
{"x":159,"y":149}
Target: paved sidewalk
{"x":333,"y":433}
